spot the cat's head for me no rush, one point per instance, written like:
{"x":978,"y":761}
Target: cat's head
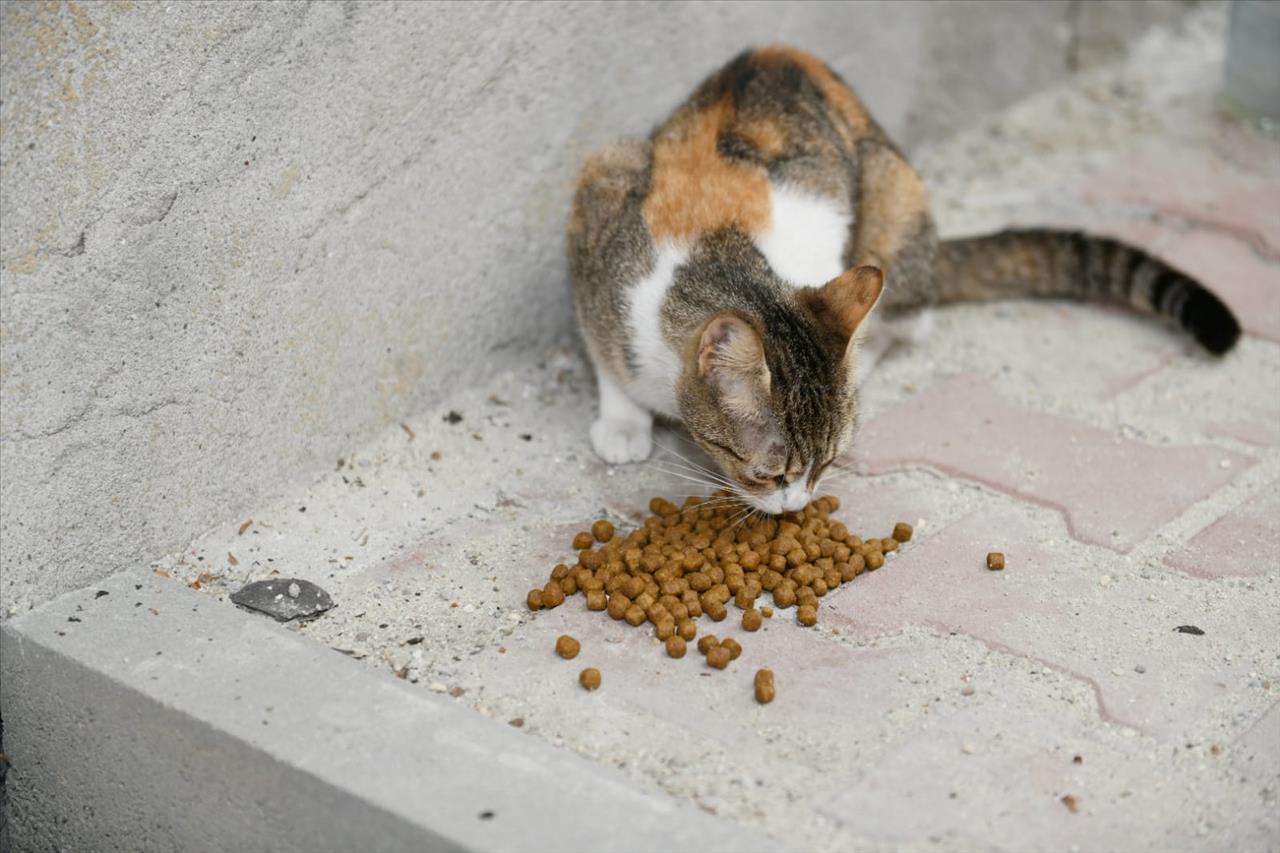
{"x":772,"y":398}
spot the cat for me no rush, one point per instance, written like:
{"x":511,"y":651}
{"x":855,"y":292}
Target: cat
{"x":726,"y":268}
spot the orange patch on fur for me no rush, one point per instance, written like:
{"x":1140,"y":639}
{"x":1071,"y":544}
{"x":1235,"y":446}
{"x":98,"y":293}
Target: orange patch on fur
{"x":891,"y":204}
{"x":854,"y":120}
{"x":694,"y":190}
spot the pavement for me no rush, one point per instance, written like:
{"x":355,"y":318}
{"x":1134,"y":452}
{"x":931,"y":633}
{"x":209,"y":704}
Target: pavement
{"x":1130,"y":480}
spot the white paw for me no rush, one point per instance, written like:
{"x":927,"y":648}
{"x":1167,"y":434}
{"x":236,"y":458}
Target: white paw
{"x":619,"y":441}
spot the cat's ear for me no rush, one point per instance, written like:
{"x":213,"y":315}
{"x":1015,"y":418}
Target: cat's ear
{"x":844,"y":302}
{"x":731,"y":360}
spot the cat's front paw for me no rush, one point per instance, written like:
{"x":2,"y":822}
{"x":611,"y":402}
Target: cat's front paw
{"x":620,"y":441}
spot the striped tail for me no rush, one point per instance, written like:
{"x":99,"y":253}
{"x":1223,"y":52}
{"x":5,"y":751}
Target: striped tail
{"x":1018,"y":264}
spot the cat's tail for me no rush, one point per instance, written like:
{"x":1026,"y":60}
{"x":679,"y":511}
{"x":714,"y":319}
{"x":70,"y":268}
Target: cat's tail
{"x":1070,"y":264}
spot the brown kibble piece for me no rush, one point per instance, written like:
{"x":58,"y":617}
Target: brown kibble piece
{"x":766,"y":612}
{"x":665,"y":630}
{"x":707,"y":642}
{"x":602,"y":530}
{"x":534,"y":599}
{"x":552,"y":595}
{"x":567,"y":647}
{"x":634,"y":615}
{"x":734,"y":647}
{"x":995,"y":561}
{"x":874,"y":560}
{"x":764,"y":686}
{"x":589,"y":678}
{"x":807,"y":615}
{"x":596,"y":600}
{"x":675,"y":647}
{"x":687,"y":629}
{"x":751,"y":620}
{"x":719,"y":657}
{"x":618,"y":604}
{"x":583,"y":540}
{"x":902,"y":532}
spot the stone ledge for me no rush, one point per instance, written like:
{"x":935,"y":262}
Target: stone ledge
{"x":174,"y":722}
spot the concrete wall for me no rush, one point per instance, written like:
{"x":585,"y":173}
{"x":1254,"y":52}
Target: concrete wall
{"x":238,"y":238}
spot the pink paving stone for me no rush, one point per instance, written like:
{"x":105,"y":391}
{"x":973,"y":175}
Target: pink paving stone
{"x":1113,"y":491}
{"x":1195,"y":187}
{"x":1048,"y":606}
{"x":1244,"y":542}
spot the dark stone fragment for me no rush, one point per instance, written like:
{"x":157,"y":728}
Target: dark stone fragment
{"x":1188,"y":629}
{"x":284,"y":598}
{"x":453,"y":418}
{"x":100,"y":593}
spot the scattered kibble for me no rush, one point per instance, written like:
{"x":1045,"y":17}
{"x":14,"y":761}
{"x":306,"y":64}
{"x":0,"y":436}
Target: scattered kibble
{"x":1072,"y":804}
{"x":719,"y":657}
{"x":602,"y":530}
{"x":764,"y":686}
{"x":699,"y":559}
{"x":567,"y":647}
{"x":589,"y":678}
{"x":995,"y":561}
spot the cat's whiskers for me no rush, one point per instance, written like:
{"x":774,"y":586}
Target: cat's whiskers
{"x":685,"y":459}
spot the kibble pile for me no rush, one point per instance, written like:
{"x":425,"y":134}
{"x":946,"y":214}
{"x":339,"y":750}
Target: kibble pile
{"x":684,"y":562}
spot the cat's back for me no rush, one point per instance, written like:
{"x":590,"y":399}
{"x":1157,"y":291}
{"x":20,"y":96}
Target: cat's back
{"x":769,"y":145}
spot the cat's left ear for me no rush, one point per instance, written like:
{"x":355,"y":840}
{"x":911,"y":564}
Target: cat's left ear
{"x":731,"y":359}
{"x":844,"y":302}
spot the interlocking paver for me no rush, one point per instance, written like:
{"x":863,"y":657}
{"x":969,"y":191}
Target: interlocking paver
{"x":1197,"y":188}
{"x":1056,"y":603}
{"x":1242,"y":543}
{"x":1113,"y":491}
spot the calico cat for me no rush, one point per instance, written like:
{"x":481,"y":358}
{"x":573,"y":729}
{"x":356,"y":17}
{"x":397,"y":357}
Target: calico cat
{"x":725,"y":268}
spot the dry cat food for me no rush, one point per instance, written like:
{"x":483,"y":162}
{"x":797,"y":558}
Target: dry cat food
{"x":764,"y":686}
{"x":567,"y":647}
{"x":700,"y":559}
{"x":995,"y":561}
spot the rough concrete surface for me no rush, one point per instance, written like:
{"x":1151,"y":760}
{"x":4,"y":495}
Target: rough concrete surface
{"x":160,"y":720}
{"x":239,"y":238}
{"x":937,"y":705}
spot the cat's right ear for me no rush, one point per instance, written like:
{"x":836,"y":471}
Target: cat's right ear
{"x":843,"y":303}
{"x":731,"y":360}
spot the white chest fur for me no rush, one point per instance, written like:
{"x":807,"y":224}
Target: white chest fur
{"x":805,"y":240}
{"x":804,"y":244}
